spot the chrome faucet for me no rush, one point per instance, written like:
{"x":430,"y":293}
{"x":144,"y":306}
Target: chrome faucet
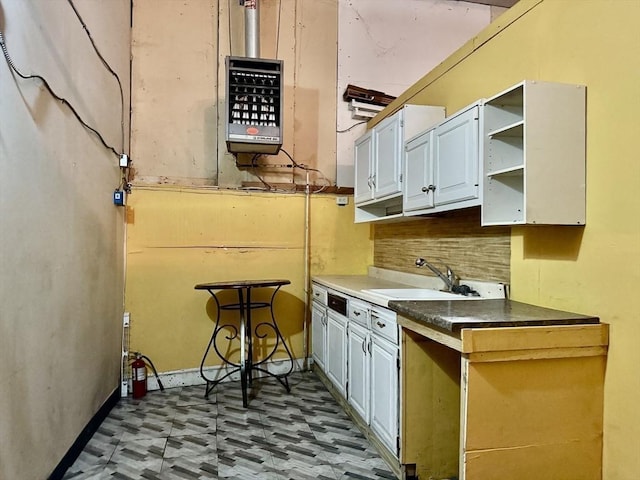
{"x":451,"y":280}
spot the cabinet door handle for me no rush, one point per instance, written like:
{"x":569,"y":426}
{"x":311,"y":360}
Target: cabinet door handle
{"x":369,"y":347}
{"x":380,"y":324}
{"x":363,"y":347}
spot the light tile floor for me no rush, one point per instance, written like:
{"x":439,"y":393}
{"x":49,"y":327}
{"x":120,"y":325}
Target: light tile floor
{"x":178,"y":434}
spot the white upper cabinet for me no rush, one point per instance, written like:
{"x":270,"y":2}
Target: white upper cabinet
{"x":419,"y":187}
{"x":442,"y":165}
{"x":378,"y":174}
{"x":379,"y":162}
{"x":363,"y":150}
{"x":534,"y":155}
{"x":388,"y":143}
{"x":520,"y":154}
{"x":457,"y":152}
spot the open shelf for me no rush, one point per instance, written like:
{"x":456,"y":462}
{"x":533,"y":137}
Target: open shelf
{"x":503,"y":111}
{"x":504,"y":199}
{"x":534,"y":155}
{"x":503,"y":153}
{"x":515,"y":129}
{"x":509,"y":171}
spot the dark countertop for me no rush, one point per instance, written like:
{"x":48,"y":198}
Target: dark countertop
{"x":453,"y":316}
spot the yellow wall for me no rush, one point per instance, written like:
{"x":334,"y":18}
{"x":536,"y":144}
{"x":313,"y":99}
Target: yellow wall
{"x":177,"y":238}
{"x":595,"y":269}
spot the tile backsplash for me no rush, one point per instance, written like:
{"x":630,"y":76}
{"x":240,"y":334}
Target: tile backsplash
{"x":455,"y":238}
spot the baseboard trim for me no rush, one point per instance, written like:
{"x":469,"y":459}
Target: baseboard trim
{"x":191,"y":376}
{"x":92,"y":426}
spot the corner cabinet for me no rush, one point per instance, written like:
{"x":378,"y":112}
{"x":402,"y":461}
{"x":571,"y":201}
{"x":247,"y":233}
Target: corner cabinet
{"x":534,"y":155}
{"x":379,"y":154}
{"x":442,"y":165}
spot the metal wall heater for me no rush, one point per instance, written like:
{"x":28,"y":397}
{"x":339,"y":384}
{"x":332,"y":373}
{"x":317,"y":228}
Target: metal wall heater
{"x":254,"y":105}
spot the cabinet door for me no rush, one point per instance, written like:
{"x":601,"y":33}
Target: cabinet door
{"x":358,"y":370}
{"x":363,"y":151}
{"x":319,"y":334}
{"x":457,"y":157}
{"x":418,"y":177}
{"x":384,"y":391}
{"x":336,"y":355}
{"x":387,"y":157}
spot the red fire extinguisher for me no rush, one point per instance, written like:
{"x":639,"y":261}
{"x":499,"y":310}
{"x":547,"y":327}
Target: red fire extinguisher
{"x":139,"y":375}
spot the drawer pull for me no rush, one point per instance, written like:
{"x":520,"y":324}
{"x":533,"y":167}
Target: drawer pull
{"x":356,"y":313}
{"x":381,"y":325}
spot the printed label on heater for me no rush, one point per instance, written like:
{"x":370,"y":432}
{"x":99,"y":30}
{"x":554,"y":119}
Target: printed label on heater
{"x":254,"y":137}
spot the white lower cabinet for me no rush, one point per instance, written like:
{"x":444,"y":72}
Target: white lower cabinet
{"x":358,"y":352}
{"x":319,"y":333}
{"x":384,"y":391}
{"x":358,"y":368}
{"x":336,"y":354}
{"x":373,"y":374}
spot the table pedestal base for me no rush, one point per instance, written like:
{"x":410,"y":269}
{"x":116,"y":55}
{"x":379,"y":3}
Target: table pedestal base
{"x":246,"y":335}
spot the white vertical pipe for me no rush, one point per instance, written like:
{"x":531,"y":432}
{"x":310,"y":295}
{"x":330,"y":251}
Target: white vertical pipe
{"x":251,"y":29}
{"x":307,"y":273}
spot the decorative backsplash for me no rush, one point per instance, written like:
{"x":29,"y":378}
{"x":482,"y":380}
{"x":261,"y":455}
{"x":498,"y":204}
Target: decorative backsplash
{"x":455,"y":238}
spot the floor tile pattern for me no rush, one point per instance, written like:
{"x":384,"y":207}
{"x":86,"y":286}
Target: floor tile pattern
{"x":179,"y":435}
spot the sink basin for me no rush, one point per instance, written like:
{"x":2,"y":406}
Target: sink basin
{"x":416,"y":294}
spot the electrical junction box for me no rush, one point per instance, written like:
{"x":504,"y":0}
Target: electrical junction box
{"x":119,"y":197}
{"x":254,"y":105}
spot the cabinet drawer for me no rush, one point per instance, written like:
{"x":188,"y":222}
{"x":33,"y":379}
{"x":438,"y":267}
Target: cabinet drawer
{"x":359,"y":312}
{"x":318,"y":293}
{"x":383,"y":323}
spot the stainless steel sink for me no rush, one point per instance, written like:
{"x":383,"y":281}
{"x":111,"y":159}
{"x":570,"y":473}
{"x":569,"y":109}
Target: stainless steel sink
{"x":416,"y":294}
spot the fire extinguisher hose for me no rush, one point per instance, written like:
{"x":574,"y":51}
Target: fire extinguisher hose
{"x":155,"y":372}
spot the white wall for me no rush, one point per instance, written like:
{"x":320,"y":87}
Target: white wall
{"x":61,"y":237}
{"x":388,"y":46}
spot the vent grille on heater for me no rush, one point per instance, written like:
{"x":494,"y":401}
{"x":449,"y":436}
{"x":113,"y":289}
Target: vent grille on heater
{"x":254,"y":105}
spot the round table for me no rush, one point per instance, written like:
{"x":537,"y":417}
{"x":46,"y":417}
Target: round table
{"x":246,"y":332}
